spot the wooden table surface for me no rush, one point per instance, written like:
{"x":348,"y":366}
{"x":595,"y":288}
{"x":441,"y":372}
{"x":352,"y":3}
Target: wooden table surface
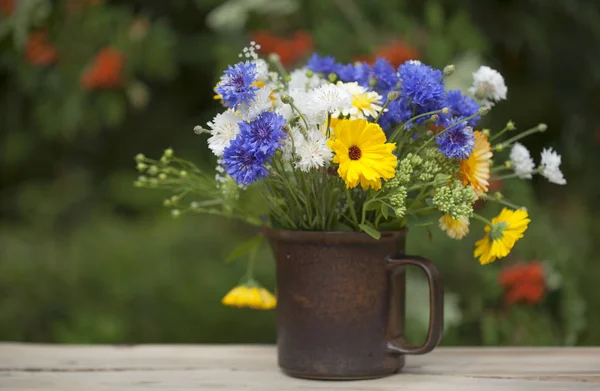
{"x":245,"y":367}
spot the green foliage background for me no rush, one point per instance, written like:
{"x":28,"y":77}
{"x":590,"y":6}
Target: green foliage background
{"x":85,"y":257}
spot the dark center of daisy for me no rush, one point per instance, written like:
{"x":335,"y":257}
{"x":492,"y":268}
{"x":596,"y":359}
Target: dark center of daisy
{"x":354,"y":152}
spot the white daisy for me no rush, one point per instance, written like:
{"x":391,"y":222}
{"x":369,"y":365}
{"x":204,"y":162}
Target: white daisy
{"x":364,"y":103}
{"x":488,"y":86}
{"x":331,"y":98}
{"x":262,"y":102}
{"x":223,"y":128}
{"x":551,"y":163}
{"x":312,"y":150}
{"x":300,"y":81}
{"x":521,"y":160}
{"x":311,"y":109}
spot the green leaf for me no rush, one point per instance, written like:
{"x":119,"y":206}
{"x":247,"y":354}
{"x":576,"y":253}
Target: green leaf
{"x":385,"y":211}
{"x":372,"y":206}
{"x":372,"y":232}
{"x":244,"y":248}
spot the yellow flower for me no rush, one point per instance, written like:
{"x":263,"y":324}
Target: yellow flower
{"x":506,"y":229}
{"x":366,"y":103}
{"x":251,"y":295}
{"x":456,"y":229}
{"x":475,"y":170}
{"x":362,"y":153}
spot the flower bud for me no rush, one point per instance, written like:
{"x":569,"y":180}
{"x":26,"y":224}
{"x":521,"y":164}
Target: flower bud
{"x":141,"y":166}
{"x":162,"y":176}
{"x":288,"y":78}
{"x":499,"y":147}
{"x":139,"y":157}
{"x":194,"y":205}
{"x":167,"y":203}
{"x":142,"y":179}
{"x":198,"y":129}
{"x":309,"y":73}
{"x":169,"y":152}
{"x":175,"y":213}
{"x":510,"y":125}
{"x":542,"y":127}
{"x":274,"y":57}
{"x":483,"y":110}
{"x":435,"y":118}
{"x":393,"y":95}
{"x":449,"y":69}
{"x":372,"y":82}
{"x":498,"y":195}
{"x":285,"y":98}
{"x":164,"y":160}
{"x":153,"y":170}
{"x":508,"y":164}
{"x":445,"y":110}
{"x":332,"y":77}
{"x":486,"y":132}
{"x":183,"y":173}
{"x":153,"y":182}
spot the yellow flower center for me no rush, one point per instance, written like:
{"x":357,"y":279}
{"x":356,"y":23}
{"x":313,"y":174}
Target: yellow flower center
{"x":354,"y":152}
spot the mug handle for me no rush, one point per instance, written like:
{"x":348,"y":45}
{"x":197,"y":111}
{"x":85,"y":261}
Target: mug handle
{"x":436,"y":305}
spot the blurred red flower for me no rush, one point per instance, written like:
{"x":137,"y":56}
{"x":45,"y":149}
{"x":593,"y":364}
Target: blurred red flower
{"x":523,"y":283}
{"x":289,"y":50}
{"x":106,"y":70}
{"x":38,"y":50}
{"x":7,"y":7}
{"x":396,"y":53}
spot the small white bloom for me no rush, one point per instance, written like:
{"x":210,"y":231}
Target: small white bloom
{"x":488,"y":86}
{"x":414,"y":62}
{"x":522,"y":162}
{"x":261,"y":102}
{"x":312,"y":150}
{"x":551,"y":167}
{"x":310,"y":108}
{"x":300,"y":81}
{"x":223,"y":128}
{"x":331,"y":98}
{"x":262,"y":70}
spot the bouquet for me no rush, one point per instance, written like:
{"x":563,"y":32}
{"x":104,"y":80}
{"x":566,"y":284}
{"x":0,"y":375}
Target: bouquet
{"x":352,"y":147}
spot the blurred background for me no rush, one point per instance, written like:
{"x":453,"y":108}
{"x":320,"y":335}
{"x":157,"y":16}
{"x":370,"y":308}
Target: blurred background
{"x":86,"y":84}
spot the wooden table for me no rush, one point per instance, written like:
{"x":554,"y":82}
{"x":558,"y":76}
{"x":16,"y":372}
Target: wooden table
{"x":243,"y":367}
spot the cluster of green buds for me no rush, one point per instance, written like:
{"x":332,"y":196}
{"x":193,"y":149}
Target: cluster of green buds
{"x":398,"y":201}
{"x":455,"y":199}
{"x":155,"y":173}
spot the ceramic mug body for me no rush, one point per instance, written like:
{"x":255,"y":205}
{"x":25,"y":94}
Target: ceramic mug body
{"x":341,"y":303}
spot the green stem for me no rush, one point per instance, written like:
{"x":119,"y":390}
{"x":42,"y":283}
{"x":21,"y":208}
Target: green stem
{"x":401,"y":127}
{"x":482,"y":219}
{"x":500,"y":133}
{"x":280,"y":68}
{"x":299,"y":113}
{"x":351,"y":206}
{"x":504,"y":202}
{"x":520,"y":136}
{"x":385,"y":105}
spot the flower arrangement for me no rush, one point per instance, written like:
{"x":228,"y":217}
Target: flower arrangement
{"x":351,"y":147}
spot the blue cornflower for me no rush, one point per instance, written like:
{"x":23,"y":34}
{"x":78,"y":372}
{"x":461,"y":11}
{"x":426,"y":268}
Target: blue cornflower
{"x":380,"y":77}
{"x":346,"y":72}
{"x":264,"y":134}
{"x":461,"y":106}
{"x":318,"y":64}
{"x":457,"y":142}
{"x":236,"y":86}
{"x":398,"y":111}
{"x":421,"y":84}
{"x":243,"y":163}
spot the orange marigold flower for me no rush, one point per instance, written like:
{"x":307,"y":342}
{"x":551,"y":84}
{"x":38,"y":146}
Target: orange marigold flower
{"x":106,"y":71}
{"x":7,"y":7}
{"x":38,"y":50}
{"x":289,"y":50}
{"x":396,"y":53}
{"x":523,"y":283}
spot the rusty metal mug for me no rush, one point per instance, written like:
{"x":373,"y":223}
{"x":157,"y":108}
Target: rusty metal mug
{"x":341,"y":303}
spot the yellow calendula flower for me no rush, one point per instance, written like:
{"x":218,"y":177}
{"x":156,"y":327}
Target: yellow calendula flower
{"x":250,"y":295}
{"x":456,"y":229}
{"x":362,"y":153}
{"x":475,"y":170}
{"x":500,"y":237}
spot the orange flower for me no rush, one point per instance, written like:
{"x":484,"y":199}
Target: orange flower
{"x":289,"y":50}
{"x":38,"y":50}
{"x":7,"y":7}
{"x":106,"y":70}
{"x":396,"y":53}
{"x":523,"y":283}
